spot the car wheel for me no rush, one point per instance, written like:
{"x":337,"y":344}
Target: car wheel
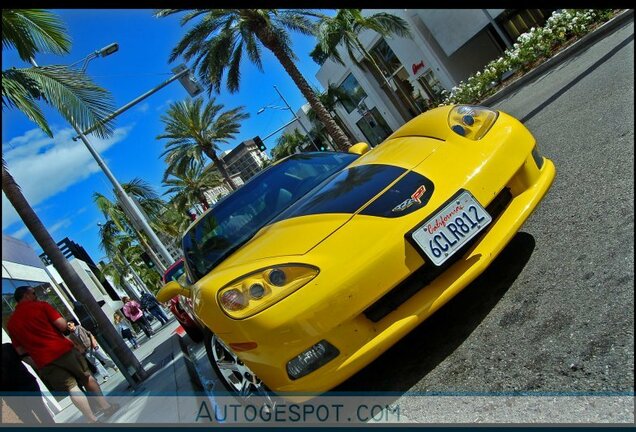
{"x":235,"y":376}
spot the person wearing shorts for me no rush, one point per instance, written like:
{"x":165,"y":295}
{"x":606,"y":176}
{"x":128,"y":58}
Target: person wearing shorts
{"x":36,"y":331}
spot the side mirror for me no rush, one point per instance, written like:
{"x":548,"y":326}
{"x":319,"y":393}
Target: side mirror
{"x":359,"y":148}
{"x":170,"y":290}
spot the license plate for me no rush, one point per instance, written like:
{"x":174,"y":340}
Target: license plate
{"x":444,"y":233}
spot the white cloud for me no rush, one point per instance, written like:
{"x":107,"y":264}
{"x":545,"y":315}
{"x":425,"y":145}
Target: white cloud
{"x":92,"y":225}
{"x":19,"y":234}
{"x":44,"y":166}
{"x":164,"y":106}
{"x":64,"y":223}
{"x":143,"y":107}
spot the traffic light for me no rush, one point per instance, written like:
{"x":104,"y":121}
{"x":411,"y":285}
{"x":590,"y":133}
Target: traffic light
{"x":188,"y":81}
{"x":146,"y":258}
{"x":259,"y":143}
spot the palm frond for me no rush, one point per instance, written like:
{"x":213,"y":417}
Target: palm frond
{"x":78,"y":99}
{"x":31,"y":31}
{"x":19,"y":91}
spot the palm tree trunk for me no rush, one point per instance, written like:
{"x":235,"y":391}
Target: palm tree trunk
{"x":68,"y":274}
{"x":332,"y":127}
{"x":203,"y":201}
{"x":220,"y":165}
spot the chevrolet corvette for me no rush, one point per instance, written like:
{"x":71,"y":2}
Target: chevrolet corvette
{"x":323,"y":261}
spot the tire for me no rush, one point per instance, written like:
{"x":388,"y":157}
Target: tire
{"x":194,"y":333}
{"x":237,"y":379}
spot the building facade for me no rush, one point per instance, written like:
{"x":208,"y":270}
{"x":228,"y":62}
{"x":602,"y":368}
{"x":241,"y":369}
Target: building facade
{"x":407,"y":76}
{"x":244,"y":160}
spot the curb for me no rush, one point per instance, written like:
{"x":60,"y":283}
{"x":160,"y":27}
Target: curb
{"x":604,"y":30}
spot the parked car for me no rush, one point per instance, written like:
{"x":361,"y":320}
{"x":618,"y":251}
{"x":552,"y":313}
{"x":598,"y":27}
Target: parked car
{"x":180,"y":306}
{"x":323,"y":261}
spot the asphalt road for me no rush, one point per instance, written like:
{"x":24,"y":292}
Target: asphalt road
{"x":555,"y":312}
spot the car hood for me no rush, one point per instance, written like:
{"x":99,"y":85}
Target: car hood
{"x":332,"y":204}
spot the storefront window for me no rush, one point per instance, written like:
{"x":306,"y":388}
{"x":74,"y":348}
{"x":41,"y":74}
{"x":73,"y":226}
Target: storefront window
{"x":400,"y":90}
{"x":518,"y":21}
{"x":386,"y":58}
{"x":374,"y":127}
{"x":432,"y":86}
{"x":351,"y":86}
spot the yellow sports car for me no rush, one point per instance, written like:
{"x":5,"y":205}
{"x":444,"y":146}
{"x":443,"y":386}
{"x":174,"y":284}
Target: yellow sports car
{"x":323,"y":261}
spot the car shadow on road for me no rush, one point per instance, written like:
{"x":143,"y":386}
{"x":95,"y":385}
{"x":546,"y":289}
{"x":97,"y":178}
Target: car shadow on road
{"x":419,"y":352}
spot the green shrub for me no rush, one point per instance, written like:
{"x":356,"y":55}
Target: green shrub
{"x":530,"y":47}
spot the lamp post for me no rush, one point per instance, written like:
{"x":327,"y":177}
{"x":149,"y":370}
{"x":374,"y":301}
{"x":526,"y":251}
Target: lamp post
{"x":296,"y":118}
{"x":136,"y":216}
{"x":107,"y":336}
{"x":128,"y":205}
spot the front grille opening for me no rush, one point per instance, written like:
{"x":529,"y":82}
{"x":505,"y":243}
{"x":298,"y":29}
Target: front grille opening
{"x":428,"y":272}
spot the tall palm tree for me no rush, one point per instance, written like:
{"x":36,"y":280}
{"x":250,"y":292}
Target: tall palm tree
{"x":125,"y":254}
{"x":148,"y":201}
{"x":194,"y":130}
{"x":175,"y":219}
{"x":330,"y":98}
{"x":115,"y":244}
{"x":78,"y":99}
{"x":222,"y":37}
{"x":287,"y":144}
{"x":345,"y":27}
{"x":190,"y":185}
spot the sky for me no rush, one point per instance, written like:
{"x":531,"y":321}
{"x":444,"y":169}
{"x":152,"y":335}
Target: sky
{"x":58,"y":176}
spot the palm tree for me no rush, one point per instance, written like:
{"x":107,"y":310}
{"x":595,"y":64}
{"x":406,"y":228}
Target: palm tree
{"x":115,"y":244}
{"x":148,"y":201}
{"x":175,"y":219}
{"x":345,"y":27}
{"x":79,"y":100}
{"x":287,"y":144}
{"x":222,"y":37}
{"x":194,"y":130}
{"x":330,"y":98}
{"x":190,"y":186}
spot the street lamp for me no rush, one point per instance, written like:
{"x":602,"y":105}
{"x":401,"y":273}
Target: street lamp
{"x":287,"y":107}
{"x":105,"y":51}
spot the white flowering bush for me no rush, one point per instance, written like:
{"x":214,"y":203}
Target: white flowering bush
{"x":534,"y":45}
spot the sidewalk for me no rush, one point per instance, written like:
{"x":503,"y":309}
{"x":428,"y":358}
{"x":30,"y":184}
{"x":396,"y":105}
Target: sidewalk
{"x":169,"y":395}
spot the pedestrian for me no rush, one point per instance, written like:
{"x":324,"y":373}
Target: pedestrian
{"x":86,"y":344}
{"x":132,"y":311}
{"x":36,"y":330}
{"x":17,"y":378}
{"x":125,"y":330}
{"x":152,"y":305}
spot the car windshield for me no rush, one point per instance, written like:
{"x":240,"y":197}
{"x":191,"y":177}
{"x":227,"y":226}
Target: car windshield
{"x":237,"y":218}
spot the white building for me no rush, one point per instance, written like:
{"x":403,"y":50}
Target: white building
{"x":447,"y":46}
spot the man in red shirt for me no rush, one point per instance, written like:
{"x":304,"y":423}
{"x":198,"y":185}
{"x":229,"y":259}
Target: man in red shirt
{"x":36,"y":330}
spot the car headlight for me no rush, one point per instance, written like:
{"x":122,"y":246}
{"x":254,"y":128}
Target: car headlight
{"x":472,"y":122}
{"x":256,"y":291}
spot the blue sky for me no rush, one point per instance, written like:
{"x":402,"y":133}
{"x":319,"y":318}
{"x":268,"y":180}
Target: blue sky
{"x":58,"y":176}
